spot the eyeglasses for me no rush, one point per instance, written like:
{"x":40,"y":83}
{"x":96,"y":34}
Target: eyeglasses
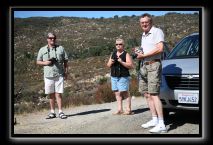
{"x":118,"y":44}
{"x":52,"y":38}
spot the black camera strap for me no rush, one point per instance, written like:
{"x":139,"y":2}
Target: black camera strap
{"x":48,"y":51}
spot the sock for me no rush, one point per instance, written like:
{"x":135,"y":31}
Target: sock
{"x":59,"y":111}
{"x":161,"y":121}
{"x":155,"y":118}
{"x":52,"y":111}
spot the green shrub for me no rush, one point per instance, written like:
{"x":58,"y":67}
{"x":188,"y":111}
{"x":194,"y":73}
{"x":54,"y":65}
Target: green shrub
{"x":102,"y":80}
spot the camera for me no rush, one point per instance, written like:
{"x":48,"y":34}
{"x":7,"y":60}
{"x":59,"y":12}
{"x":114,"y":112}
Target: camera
{"x":114,"y":57}
{"x":136,"y":50}
{"x":134,"y":55}
{"x":53,"y":60}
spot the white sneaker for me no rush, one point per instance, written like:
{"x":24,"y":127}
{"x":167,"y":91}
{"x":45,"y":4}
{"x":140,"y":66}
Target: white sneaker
{"x":150,"y":123}
{"x":159,"y":128}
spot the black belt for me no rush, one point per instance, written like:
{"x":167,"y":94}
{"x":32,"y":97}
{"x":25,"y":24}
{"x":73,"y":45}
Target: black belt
{"x":152,"y":61}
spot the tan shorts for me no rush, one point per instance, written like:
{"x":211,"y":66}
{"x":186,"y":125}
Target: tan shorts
{"x":150,"y":78}
{"x":54,"y":85}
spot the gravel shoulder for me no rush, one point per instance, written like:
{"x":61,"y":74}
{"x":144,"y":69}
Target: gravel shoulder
{"x":98,"y":119}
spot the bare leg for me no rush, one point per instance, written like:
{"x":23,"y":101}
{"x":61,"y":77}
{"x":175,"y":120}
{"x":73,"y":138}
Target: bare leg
{"x":52,"y":101}
{"x":151,"y":104}
{"x":127,"y":95}
{"x":154,"y":120}
{"x":59,"y":101}
{"x":160,"y":127}
{"x":158,"y":105}
{"x":119,"y":101}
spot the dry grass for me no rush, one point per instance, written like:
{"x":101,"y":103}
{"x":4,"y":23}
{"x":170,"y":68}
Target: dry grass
{"x":87,"y":84}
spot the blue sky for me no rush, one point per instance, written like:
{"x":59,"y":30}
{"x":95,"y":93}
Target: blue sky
{"x":89,"y":14}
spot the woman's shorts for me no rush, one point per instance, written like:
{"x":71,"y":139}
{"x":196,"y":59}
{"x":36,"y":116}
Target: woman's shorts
{"x":54,"y":85}
{"x":120,"y":83}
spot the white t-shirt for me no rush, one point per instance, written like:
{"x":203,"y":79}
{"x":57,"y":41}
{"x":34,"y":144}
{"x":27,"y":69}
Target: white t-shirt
{"x":149,"y":41}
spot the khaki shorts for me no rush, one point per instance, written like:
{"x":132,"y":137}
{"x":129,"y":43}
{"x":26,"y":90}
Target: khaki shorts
{"x":150,"y":78}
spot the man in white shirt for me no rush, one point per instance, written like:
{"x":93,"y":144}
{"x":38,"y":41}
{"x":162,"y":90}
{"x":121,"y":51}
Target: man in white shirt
{"x":149,"y":84}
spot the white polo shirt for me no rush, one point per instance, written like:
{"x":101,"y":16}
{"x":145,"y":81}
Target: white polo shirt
{"x":149,"y":41}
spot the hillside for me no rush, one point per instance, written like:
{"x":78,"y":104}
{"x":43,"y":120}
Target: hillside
{"x":88,"y":43}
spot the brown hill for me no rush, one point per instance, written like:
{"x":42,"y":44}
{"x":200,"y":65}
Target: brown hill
{"x":88,"y":42}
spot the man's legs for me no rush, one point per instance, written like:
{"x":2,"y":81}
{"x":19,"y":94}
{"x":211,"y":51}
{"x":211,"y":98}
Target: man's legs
{"x":52,"y":102}
{"x":151,"y":105}
{"x":154,"y":80}
{"x":59,"y":89}
{"x":160,"y":127}
{"x":157,"y":105}
{"x":143,"y":88}
{"x":49,"y":89}
{"x":55,"y":85}
{"x":52,"y":106}
{"x":59,"y":101}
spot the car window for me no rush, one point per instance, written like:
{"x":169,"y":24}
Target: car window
{"x":188,"y":47}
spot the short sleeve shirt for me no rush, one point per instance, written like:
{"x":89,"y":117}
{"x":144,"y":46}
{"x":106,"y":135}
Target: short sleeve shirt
{"x":149,"y":40}
{"x":58,"y":52}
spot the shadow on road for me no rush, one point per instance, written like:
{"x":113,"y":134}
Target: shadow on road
{"x":179,"y":118}
{"x":89,"y":112}
{"x":137,"y":111}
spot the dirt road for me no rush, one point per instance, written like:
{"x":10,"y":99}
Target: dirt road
{"x":98,"y":119}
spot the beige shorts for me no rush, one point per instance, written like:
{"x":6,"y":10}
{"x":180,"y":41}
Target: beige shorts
{"x":54,"y":85}
{"x":150,"y":78}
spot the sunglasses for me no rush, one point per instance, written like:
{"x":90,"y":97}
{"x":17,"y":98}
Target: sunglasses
{"x":118,"y":44}
{"x":145,"y":22}
{"x":52,"y":38}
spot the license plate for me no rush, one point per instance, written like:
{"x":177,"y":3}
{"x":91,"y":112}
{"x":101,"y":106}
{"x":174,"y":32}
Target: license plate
{"x":189,"y":98}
